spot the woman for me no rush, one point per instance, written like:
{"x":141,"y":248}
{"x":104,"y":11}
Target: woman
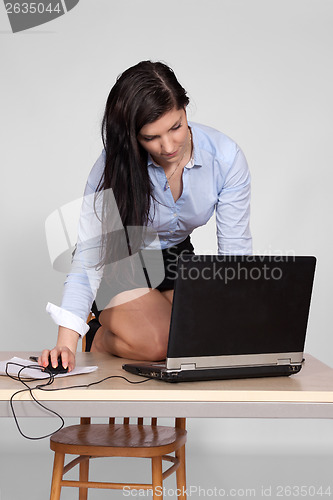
{"x":161,"y":174}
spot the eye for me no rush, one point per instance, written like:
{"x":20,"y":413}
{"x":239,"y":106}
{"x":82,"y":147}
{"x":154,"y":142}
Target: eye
{"x":177,"y":127}
{"x":148,"y":139}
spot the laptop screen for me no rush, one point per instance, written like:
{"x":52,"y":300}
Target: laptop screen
{"x":236,"y":305}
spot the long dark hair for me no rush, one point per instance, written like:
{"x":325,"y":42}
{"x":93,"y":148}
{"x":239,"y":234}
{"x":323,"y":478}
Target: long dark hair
{"x":141,"y":95}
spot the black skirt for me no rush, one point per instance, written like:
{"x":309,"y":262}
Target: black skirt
{"x":147,"y":272}
{"x":170,"y":259}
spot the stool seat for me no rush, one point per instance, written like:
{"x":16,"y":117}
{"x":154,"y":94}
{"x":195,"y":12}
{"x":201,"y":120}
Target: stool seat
{"x":118,"y":440}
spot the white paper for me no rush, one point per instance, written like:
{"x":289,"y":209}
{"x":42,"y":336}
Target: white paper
{"x":39,"y":374}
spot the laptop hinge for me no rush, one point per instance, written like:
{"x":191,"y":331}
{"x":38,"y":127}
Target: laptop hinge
{"x":188,"y":366}
{"x":284,"y":361}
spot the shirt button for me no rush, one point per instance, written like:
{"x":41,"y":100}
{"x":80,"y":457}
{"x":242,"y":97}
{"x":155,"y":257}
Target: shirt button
{"x":175,"y":215}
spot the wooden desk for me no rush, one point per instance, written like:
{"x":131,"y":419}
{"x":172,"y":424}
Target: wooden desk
{"x":309,"y":394}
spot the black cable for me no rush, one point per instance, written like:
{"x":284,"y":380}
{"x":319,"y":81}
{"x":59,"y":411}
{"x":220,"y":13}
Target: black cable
{"x":92,"y":383}
{"x":42,"y":387}
{"x":30,"y":390}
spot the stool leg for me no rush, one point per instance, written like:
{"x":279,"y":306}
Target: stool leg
{"x":83,"y":475}
{"x":157,"y":478}
{"x":181,"y":473}
{"x":58,"y":469}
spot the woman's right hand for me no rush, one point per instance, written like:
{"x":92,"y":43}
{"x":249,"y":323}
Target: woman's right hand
{"x":67,"y":357}
{"x":65,"y":348}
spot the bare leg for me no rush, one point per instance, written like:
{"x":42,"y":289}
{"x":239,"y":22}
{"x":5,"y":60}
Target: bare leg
{"x":138,"y":328}
{"x":168,"y":294}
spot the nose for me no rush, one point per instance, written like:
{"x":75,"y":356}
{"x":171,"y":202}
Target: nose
{"x":167,"y":145}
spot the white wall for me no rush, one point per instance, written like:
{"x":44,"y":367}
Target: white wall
{"x":258,"y":70}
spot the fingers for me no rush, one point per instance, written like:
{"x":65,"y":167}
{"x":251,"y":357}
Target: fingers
{"x":67,"y":358}
{"x":66,"y":355}
{"x":43,"y":360}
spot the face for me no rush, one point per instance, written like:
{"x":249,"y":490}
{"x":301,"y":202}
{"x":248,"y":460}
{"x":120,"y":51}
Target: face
{"x":167,"y":138}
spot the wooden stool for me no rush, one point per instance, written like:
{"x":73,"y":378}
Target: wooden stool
{"x":119,"y":440}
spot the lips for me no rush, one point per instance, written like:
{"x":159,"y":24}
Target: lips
{"x":171,"y":154}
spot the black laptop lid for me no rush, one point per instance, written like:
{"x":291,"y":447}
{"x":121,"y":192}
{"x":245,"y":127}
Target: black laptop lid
{"x":234,"y":305}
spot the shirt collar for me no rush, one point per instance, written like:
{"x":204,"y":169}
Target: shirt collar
{"x":196,"y":157}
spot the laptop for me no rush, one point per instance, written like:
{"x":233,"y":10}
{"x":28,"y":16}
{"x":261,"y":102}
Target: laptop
{"x":235,"y":317}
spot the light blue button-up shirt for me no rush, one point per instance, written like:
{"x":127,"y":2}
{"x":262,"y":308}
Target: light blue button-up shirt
{"x":217,"y":179}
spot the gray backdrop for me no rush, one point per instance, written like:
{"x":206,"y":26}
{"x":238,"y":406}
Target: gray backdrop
{"x":258,"y":70}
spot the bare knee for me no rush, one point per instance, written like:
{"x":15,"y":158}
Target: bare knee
{"x":151,"y":348}
{"x":156,"y":351}
{"x":155,"y":346}
{"x":140,"y":328}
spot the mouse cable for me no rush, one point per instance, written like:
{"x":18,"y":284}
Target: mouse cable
{"x":43,"y":387}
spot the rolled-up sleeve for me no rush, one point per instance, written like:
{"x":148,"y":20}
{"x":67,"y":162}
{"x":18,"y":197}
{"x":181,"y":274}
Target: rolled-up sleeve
{"x":233,"y":209}
{"x":67,"y":319}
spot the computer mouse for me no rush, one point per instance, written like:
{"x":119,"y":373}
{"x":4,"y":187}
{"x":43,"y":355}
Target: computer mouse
{"x":58,"y":369}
